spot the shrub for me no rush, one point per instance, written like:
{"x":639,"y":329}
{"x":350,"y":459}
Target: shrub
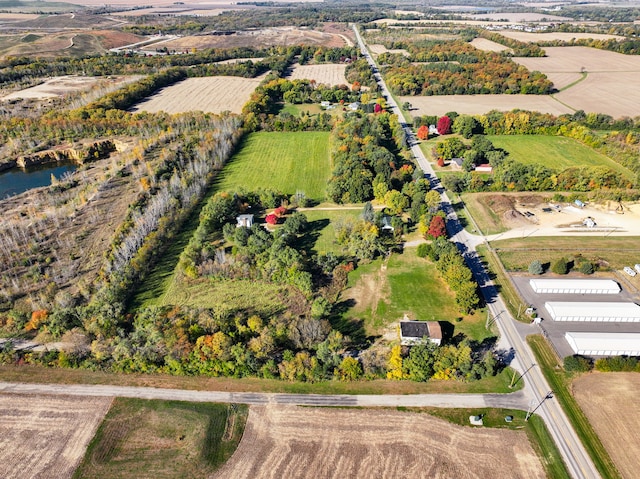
{"x":586,"y":267}
{"x":271,"y":219}
{"x":536,"y":267}
{"x":560,"y":266}
{"x":618,"y":363}
{"x":577,"y":363}
{"x":423,"y":250}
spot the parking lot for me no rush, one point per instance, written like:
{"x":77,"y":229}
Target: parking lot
{"x":555,"y":329}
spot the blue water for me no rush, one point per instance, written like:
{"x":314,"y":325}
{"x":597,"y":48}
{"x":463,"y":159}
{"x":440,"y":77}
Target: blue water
{"x":17,"y":180}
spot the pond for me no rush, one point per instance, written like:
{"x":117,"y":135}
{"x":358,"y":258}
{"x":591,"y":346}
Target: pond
{"x":17,"y":180}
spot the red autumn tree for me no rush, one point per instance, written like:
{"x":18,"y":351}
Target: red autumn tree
{"x":423,"y":132}
{"x":377,"y":108}
{"x":271,"y":219}
{"x":437,"y":227}
{"x":444,"y":125}
{"x":440,"y":162}
{"x":280,"y":211}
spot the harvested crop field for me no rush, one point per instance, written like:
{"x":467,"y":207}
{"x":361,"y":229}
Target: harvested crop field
{"x":551,"y":36}
{"x":574,"y":59}
{"x":488,"y":45}
{"x":379,"y":49}
{"x":610,"y":401}
{"x":327,"y":73}
{"x":60,"y":86}
{"x":46,"y":436}
{"x":208,"y":94}
{"x":282,"y":441}
{"x":267,"y":37}
{"x":479,"y":104}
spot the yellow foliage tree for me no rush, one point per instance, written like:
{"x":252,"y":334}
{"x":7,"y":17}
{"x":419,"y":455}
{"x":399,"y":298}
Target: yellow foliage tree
{"x":394,"y":366}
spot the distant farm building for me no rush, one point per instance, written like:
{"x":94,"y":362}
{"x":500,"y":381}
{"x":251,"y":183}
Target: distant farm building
{"x":594,"y":312}
{"x":574,"y":286}
{"x":414,"y":332}
{"x":244,"y":220}
{"x":604,"y":344}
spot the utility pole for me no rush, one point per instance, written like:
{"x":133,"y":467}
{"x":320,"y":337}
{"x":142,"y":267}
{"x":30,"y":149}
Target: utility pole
{"x":531,"y":411}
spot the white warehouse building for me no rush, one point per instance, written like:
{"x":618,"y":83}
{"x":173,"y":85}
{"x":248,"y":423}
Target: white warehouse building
{"x":598,"y":312}
{"x":604,"y":344}
{"x":575,"y":286}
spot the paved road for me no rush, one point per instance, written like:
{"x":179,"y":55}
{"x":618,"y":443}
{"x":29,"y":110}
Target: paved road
{"x":517,"y":400}
{"x":576,"y":458}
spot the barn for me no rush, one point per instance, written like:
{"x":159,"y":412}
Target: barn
{"x":604,"y":344}
{"x":594,"y":312}
{"x":574,"y":286}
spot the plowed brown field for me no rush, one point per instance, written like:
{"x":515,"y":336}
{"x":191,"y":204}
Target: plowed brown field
{"x":327,"y":73}
{"x":610,"y":402}
{"x":46,"y":436}
{"x":296,"y":442}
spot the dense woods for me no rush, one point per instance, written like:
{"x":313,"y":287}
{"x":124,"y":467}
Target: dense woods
{"x":457,"y":68}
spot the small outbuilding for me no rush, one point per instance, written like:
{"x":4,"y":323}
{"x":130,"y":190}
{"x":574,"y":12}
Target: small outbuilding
{"x":244,"y":220}
{"x":605,"y":312}
{"x":604,"y":344}
{"x":386,"y":224}
{"x":574,"y":286}
{"x":414,"y":332}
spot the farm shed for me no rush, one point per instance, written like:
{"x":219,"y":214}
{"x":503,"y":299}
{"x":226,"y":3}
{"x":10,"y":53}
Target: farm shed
{"x":244,"y":220}
{"x":604,"y":344}
{"x":596,"y":312}
{"x":413,"y":332}
{"x":574,"y":286}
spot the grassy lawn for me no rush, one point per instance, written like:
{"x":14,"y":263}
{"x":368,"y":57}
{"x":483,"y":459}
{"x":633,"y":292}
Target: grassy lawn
{"x":254,"y":297}
{"x":555,"y":152}
{"x":41,"y":374}
{"x":408,"y":285}
{"x":163,"y":439}
{"x":535,"y":429}
{"x":516,"y":254}
{"x":321,"y":224}
{"x":283,"y":161}
{"x":561,"y":386}
{"x":485,"y":217}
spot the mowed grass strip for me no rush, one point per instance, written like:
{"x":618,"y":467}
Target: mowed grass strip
{"x":284,"y":161}
{"x":163,"y":440}
{"x":560,"y":384}
{"x":557,"y":152}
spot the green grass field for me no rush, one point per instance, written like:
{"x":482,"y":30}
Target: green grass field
{"x":560,"y":384}
{"x":612,"y":252}
{"x":283,"y":161}
{"x":408,"y":285}
{"x":555,"y":152}
{"x":322,"y":231}
{"x":163,"y":439}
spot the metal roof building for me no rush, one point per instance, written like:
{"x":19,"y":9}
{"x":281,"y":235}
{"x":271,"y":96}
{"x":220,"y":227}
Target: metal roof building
{"x":604,"y":344}
{"x":575,"y":286}
{"x":600,"y":312}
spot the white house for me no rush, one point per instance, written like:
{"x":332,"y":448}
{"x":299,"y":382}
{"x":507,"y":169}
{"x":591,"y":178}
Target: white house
{"x":244,"y":220}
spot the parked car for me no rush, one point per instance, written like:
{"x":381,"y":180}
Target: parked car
{"x":629,"y":271}
{"x":637,"y":267}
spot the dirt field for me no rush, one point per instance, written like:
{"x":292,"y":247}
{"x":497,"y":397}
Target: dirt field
{"x":304,"y":442}
{"x":547,"y":37}
{"x":46,"y":436}
{"x":257,"y":38}
{"x":479,"y":104}
{"x":488,"y":45}
{"x":610,"y":83}
{"x":610,"y":401}
{"x":59,"y":86}
{"x":561,"y":79}
{"x":520,"y":17}
{"x":328,"y":73}
{"x":209,"y":94}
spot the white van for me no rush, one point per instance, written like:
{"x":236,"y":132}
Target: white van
{"x":637,"y":267}
{"x":629,"y":271}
